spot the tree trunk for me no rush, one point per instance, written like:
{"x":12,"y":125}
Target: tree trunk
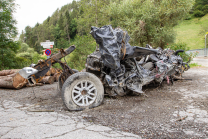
{"x":67,"y":31}
{"x":9,"y":72}
{"x":15,"y":81}
{"x":47,"y":80}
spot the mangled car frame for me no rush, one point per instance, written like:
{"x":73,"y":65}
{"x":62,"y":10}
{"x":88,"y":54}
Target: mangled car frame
{"x":117,"y":68}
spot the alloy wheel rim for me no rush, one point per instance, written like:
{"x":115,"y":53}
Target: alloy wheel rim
{"x":84,"y":93}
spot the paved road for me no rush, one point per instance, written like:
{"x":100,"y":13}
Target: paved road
{"x":203,"y":61}
{"x":20,"y":121}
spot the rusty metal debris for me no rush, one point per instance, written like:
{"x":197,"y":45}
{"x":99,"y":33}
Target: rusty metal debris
{"x":44,"y":66}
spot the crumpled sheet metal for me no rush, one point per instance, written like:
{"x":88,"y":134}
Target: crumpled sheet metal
{"x":120,"y":69}
{"x":110,"y":43}
{"x":114,"y":46}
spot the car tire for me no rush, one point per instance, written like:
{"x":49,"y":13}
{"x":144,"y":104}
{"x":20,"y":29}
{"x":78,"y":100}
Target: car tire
{"x":82,"y":90}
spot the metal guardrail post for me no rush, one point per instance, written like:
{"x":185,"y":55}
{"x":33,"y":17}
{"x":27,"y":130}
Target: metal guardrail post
{"x":205,"y":50}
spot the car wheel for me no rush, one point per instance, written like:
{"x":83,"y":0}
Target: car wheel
{"x":82,"y":90}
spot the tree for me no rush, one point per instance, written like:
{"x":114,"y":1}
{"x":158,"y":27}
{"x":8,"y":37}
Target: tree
{"x":60,"y":22}
{"x":200,"y":8}
{"x":8,"y":47}
{"x":67,"y":23}
{"x":28,"y":36}
{"x":149,"y":21}
{"x":92,"y":15}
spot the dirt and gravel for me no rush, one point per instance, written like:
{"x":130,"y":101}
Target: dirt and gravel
{"x":168,"y":111}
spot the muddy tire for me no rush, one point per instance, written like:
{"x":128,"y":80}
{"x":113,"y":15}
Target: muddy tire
{"x":82,"y":90}
{"x":149,"y":66}
{"x":74,"y":70}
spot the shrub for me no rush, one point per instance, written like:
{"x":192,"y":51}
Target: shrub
{"x":24,"y":47}
{"x":205,"y":9}
{"x":85,"y":45}
{"x":184,"y":47}
{"x":37,"y":57}
{"x":21,"y":62}
{"x":26,"y":55}
{"x":198,"y":13}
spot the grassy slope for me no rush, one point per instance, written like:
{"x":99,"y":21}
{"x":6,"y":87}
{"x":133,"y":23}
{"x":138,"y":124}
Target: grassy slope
{"x":192,"y":32}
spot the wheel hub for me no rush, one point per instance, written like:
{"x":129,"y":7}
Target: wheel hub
{"x":84,"y":93}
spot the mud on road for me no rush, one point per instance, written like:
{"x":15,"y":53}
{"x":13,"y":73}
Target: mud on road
{"x":168,"y":111}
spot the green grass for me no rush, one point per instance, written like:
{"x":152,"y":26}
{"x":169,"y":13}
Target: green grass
{"x":194,"y":65}
{"x":192,"y":32}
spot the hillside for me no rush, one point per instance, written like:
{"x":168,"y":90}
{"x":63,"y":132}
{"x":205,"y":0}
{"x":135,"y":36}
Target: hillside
{"x":192,"y":32}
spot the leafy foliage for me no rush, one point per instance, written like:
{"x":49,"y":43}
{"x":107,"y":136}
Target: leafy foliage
{"x":8,"y":31}
{"x":92,"y":15}
{"x":184,"y":47}
{"x":194,"y":65}
{"x":198,"y":13}
{"x":200,"y":8}
{"x":149,"y":21}
{"x":61,"y":27}
{"x":85,"y":45}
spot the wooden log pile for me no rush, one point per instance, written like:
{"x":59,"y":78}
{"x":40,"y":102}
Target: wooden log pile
{"x":12,"y":79}
{"x":51,"y":76}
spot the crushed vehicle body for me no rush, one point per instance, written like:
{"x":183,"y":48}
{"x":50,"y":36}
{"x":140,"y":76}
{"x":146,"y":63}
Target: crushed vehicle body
{"x":116,"y":60}
{"x":117,"y":68}
{"x":124,"y":68}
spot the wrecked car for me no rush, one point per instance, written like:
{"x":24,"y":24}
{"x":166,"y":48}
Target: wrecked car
{"x":117,"y":68}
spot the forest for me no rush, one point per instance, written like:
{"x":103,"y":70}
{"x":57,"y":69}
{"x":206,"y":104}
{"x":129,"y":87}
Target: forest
{"x":147,"y":22}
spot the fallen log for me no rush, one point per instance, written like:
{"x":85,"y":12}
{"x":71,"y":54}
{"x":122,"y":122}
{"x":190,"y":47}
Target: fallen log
{"x":16,"y":81}
{"x":9,"y":72}
{"x":47,"y":80}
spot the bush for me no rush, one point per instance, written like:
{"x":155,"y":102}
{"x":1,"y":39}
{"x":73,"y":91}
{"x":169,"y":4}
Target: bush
{"x":189,"y":17}
{"x":205,"y":9}
{"x":21,"y":62}
{"x":23,"y":48}
{"x":198,"y":13}
{"x":37,"y":57}
{"x":85,"y":45}
{"x":26,"y":55}
{"x":184,"y":47}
